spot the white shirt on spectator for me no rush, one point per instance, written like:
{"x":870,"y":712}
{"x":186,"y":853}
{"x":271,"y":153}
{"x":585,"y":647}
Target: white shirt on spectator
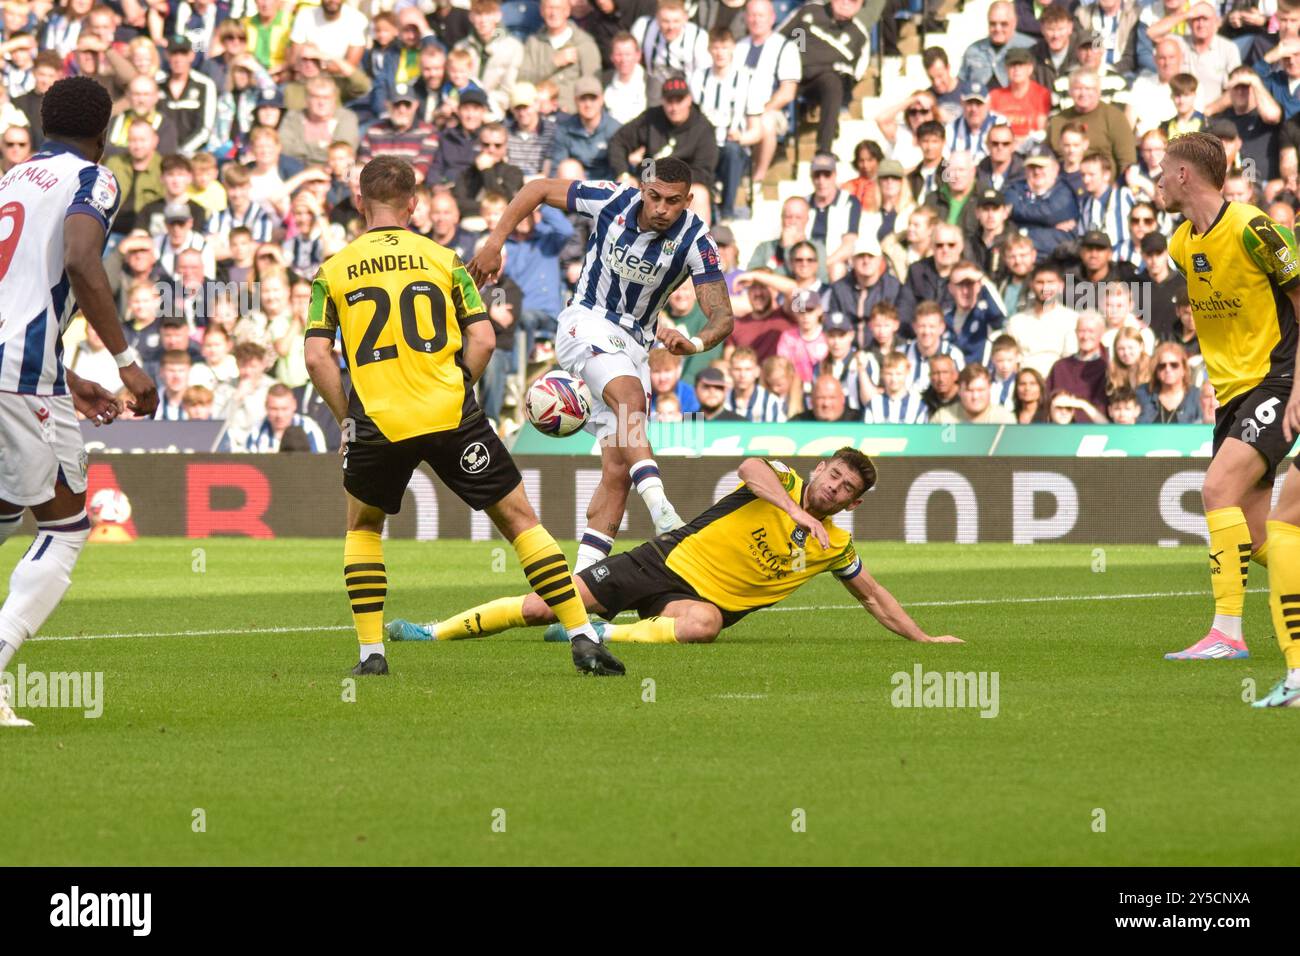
{"x":334,"y":37}
{"x":775,"y":62}
{"x":1151,"y":103}
{"x":1044,"y":339}
{"x":626,"y":101}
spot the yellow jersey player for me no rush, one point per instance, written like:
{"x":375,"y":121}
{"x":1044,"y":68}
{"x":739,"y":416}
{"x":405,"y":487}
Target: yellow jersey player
{"x":1243,"y":279}
{"x":752,"y":549}
{"x":415,"y":340}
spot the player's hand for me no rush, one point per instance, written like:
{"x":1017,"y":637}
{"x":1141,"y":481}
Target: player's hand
{"x":674,"y":341}
{"x":939,"y":639}
{"x":1291,"y":417}
{"x":94,"y":402}
{"x":485,"y":265}
{"x":142,"y":387}
{"x":810,"y":524}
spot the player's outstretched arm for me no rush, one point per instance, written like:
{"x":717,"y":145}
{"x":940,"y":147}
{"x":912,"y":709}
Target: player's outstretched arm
{"x":83,"y":247}
{"x":886,"y":609}
{"x":715,"y":303}
{"x":764,"y":482}
{"x":487,"y":262}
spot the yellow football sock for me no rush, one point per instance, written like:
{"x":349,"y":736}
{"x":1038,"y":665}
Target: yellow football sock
{"x":653,"y":630}
{"x":1284,"y":589}
{"x":367,"y":583}
{"x":499,"y":615}
{"x":1260,"y":557}
{"x":1229,"y":559}
{"x":548,"y":575}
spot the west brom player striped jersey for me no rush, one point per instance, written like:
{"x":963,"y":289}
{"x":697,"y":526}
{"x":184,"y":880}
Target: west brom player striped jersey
{"x":35,"y":299}
{"x":628,"y":273}
{"x":906,"y":410}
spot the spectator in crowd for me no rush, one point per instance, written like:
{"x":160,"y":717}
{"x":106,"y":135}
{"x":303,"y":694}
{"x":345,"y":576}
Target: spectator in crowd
{"x":240,"y":98}
{"x":459,"y":145}
{"x":1209,"y":403}
{"x":666,"y":380}
{"x":528,"y":147}
{"x":917,"y":110}
{"x":401,"y":134}
{"x":143,"y":96}
{"x":46,"y":69}
{"x":882,"y":337}
{"x":975,"y":405}
{"x":966,"y":133}
{"x":17,"y":143}
{"x":777,"y":375}
{"x":1130,"y":362}
{"x":758,"y":329}
{"x":931,"y":343}
{"x":975,"y":315}
{"x":1184,"y":89}
{"x":173,"y":379}
{"x":844,"y":361}
{"x":904,"y":249}
{"x":490,"y":172}
{"x":667,"y":409}
{"x":218,"y":366}
{"x":1053,"y":51}
{"x":805,"y":345}
{"x":1124,"y":408}
{"x":865,"y":186}
{"x":927,"y":279}
{"x":1042,"y":205}
{"x":896,"y":202}
{"x":776,"y":65}
{"x":444,"y":221}
{"x":942,"y":392}
{"x":1083,"y":374}
{"x":177,"y":176}
{"x":139,"y":175}
{"x":1108,"y":128}
{"x":829,"y":403}
{"x":243,"y":405}
{"x":269,"y":34}
{"x":197,"y":403}
{"x":1098,"y":265}
{"x":1019,"y":259}
{"x":1170,"y":397}
{"x":625,"y":89}
{"x":1142,"y":175}
{"x":1117,"y":311}
{"x":711,"y":394}
{"x":1211,"y":58}
{"x":683,"y":313}
{"x":241,"y":212}
{"x":675,"y":127}
{"x":307,"y":134}
{"x":205,"y":187}
{"x":505,"y":307}
{"x":985,"y":60}
{"x":796,"y":223}
{"x":746,"y":397}
{"x":1116,"y":22}
{"x":1106,"y":205}
{"x":985,"y":243}
{"x":837,"y":47}
{"x":897,"y":403}
{"x":1074,"y":146}
{"x":951,"y":198}
{"x":334,"y":28}
{"x":670,"y":44}
{"x":835,"y":215}
{"x":93,"y":361}
{"x":1022,"y":103}
{"x":1004,"y":366}
{"x":1031,"y":397}
{"x":134,"y":262}
{"x":1063,"y":409}
{"x":1143,"y":220}
{"x":867,"y":283}
{"x":944,"y":85}
{"x":534,"y":265}
{"x":498,"y":54}
{"x":1255,"y":114}
{"x":560,"y":51}
{"x":189,"y":97}
{"x":585,"y":135}
{"x":1045,"y":328}
{"x":178,"y":236}
{"x":281,"y":417}
{"x":928,"y":176}
{"x":1151,"y":100}
{"x":733,"y":104}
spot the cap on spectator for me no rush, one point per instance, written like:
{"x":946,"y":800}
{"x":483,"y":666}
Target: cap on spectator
{"x":826,"y":163}
{"x":1018,"y":54}
{"x":1087,"y":37}
{"x":475,"y":97}
{"x":586,"y":86}
{"x":723,"y":235}
{"x":1154,"y":243}
{"x":271,"y":97}
{"x":890,"y":169}
{"x":177,"y":212}
{"x":1040,"y":155}
{"x":975,"y":90}
{"x":179,"y":44}
{"x":837,"y":322}
{"x":675,"y":87}
{"x":805,"y":300}
{"x":1095,"y":239}
{"x":523,"y":94}
{"x":867,"y":245}
{"x":990,"y":197}
{"x":1223,"y":129}
{"x":711,"y":376}
{"x":402,"y":93}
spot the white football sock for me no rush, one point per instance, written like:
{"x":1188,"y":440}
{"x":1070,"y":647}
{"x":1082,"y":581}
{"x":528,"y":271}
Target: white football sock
{"x":1229,"y":625}
{"x":40,"y":580}
{"x":645,"y":476}
{"x":1292,"y":678}
{"x":586,"y":631}
{"x":8,"y":525}
{"x":592,"y":547}
{"x":369,"y":650}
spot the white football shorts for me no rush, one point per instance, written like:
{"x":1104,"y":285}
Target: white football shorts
{"x":40,"y":442}
{"x":590,"y":347}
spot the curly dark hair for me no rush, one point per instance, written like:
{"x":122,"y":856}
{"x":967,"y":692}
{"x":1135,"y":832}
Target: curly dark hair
{"x":76,"y":107}
{"x":860,"y":463}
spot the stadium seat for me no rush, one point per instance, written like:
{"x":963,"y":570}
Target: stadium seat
{"x":521,"y":17}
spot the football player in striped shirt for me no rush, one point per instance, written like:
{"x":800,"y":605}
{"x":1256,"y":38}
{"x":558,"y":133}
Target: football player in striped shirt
{"x":643,"y":243}
{"x":898,"y":403}
{"x":56,"y":210}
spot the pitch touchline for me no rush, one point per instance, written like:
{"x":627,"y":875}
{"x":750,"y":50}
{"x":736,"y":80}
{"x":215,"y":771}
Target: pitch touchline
{"x":800,"y":607}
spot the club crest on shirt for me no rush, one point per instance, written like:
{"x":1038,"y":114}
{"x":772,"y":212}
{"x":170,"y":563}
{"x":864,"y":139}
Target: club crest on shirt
{"x":1200,"y":262}
{"x":670,"y":247}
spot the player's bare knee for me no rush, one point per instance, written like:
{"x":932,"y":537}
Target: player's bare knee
{"x":699,"y":625}
{"x":536,"y":611}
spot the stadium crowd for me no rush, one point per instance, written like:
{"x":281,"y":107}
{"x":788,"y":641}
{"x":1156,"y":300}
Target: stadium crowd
{"x":999,"y":256}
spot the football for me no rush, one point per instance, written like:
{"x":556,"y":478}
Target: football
{"x":109,"y":505}
{"x":558,"y":404}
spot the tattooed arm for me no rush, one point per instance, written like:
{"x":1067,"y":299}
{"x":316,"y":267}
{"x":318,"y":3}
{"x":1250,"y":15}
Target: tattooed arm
{"x":715,"y":303}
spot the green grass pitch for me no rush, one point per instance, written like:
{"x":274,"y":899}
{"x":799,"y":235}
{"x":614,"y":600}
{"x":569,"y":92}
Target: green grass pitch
{"x":230,"y":701}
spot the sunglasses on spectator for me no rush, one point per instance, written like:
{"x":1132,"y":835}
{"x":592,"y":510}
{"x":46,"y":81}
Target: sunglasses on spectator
{"x":918,"y":110}
{"x":1164,"y":365}
{"x":711,"y":385}
{"x":493,"y":144}
{"x":804,"y":259}
{"x":945,"y":245}
{"x":1142,"y":220}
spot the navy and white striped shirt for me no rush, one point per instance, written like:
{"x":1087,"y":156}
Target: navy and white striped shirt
{"x":1108,"y":212}
{"x":920,"y":374}
{"x":907,"y":410}
{"x":963,"y":139}
{"x":628,"y":273}
{"x":1003,"y":393}
{"x":255,"y":219}
{"x":727,"y":101}
{"x":688,"y":53}
{"x":761,"y":406}
{"x":829,"y":223}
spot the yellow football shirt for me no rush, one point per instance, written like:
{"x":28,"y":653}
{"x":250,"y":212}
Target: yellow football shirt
{"x":400,"y":302}
{"x":745,"y":553}
{"x":1238,"y":276}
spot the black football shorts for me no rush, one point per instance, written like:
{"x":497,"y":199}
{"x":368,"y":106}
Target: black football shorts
{"x":1255,"y":417}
